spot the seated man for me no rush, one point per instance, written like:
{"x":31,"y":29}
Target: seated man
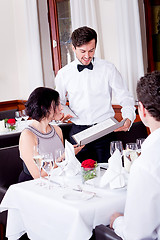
{"x":141,"y":219}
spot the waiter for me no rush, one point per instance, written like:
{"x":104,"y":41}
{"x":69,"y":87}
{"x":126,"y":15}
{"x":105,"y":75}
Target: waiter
{"x":88,"y":83}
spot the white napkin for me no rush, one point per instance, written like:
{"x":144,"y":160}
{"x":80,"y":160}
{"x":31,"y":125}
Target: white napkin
{"x":73,"y":166}
{"x":2,"y":126}
{"x":114,"y":174}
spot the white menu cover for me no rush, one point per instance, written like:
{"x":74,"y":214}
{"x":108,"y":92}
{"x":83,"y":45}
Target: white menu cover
{"x":97,"y":131}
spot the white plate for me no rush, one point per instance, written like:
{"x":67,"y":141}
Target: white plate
{"x":78,"y":196}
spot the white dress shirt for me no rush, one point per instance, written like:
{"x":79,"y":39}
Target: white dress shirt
{"x":90,"y":92}
{"x":142,"y":210}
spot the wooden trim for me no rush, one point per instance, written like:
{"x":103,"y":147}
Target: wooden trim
{"x":148,"y":17}
{"x":14,"y":104}
{"x":54,"y":32}
{"x":118,"y":114}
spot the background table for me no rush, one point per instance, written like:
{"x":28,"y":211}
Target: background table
{"x":44,"y":213}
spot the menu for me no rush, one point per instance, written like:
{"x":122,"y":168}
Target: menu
{"x":97,"y":131}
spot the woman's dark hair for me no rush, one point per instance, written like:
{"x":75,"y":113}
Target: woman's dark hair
{"x":148,"y":93}
{"x":39,"y":102}
{"x":83,"y":35}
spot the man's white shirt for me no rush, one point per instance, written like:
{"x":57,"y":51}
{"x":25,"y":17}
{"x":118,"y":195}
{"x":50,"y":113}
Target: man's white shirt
{"x":142,"y":211}
{"x":90,"y":92}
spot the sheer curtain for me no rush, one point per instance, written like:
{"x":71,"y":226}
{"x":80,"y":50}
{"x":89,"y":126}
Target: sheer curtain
{"x":83,"y":13}
{"x":29,"y":65}
{"x":129,"y":40}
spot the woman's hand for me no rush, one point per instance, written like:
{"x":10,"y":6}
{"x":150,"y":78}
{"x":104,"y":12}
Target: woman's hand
{"x":77,"y":148}
{"x":66,"y":118}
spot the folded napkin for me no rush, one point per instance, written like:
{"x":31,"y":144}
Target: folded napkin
{"x":2,"y":126}
{"x":114,"y":174}
{"x":73,"y":166}
{"x":70,"y":166}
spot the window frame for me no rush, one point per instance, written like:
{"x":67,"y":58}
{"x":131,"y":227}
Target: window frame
{"x":54,"y":35}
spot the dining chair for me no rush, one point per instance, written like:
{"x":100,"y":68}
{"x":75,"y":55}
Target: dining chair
{"x":1,"y":231}
{"x":7,"y":114}
{"x":10,"y":168}
{"x":103,"y":232}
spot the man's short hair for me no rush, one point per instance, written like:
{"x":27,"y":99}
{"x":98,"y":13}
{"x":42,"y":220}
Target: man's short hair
{"x":148,"y":93}
{"x":83,"y":35}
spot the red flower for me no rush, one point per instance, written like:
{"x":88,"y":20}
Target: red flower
{"x":11,"y":121}
{"x":89,"y":163}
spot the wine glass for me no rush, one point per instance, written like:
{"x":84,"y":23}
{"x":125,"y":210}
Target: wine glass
{"x":38,"y":159}
{"x":131,"y":146}
{"x":139,"y":142}
{"x":59,"y":157}
{"x":18,"y":117}
{"x":116,"y":145}
{"x":24,"y":115}
{"x":48,"y":165}
{"x":131,"y":151}
{"x":61,"y":163}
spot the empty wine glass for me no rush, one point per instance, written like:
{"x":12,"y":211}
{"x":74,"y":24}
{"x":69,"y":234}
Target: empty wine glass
{"x":24,"y":115}
{"x":18,"y":117}
{"x":139,"y":142}
{"x":38,"y":159}
{"x":48,"y":165}
{"x":116,"y":145}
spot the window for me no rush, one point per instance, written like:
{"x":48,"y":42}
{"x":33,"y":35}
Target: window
{"x":152,"y":14}
{"x":60,"y":31}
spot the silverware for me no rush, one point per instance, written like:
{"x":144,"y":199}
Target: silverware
{"x":85,"y":191}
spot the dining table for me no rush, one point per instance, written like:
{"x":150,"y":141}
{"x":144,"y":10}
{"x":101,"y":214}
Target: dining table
{"x":11,"y":138}
{"x":62,"y":208}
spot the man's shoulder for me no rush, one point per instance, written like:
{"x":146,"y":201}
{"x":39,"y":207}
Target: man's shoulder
{"x":67,"y":67}
{"x":103,"y":63}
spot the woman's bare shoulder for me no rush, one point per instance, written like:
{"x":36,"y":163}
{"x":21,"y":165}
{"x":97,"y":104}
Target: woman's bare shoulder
{"x":58,"y":129}
{"x":26,"y":134}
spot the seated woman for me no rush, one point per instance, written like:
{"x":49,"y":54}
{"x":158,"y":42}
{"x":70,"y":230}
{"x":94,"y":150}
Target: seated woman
{"x":43,"y":106}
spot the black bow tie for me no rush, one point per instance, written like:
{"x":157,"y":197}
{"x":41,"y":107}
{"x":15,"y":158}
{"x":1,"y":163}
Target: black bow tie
{"x":81,"y":67}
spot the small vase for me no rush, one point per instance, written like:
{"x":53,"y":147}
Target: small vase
{"x":10,"y":127}
{"x":89,"y":173}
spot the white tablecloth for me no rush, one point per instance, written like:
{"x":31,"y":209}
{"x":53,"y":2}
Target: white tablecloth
{"x":22,"y":125}
{"x":45,"y":215}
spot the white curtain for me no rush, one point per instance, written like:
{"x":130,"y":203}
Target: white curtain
{"x":27,"y":46}
{"x":129,"y":40}
{"x":83,"y":13}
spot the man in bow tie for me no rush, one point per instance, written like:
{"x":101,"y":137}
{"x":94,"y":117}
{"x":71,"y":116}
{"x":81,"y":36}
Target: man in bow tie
{"x":88,"y":83}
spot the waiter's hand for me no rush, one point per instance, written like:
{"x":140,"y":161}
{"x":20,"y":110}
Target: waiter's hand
{"x":125,"y":127}
{"x":66,"y":117}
